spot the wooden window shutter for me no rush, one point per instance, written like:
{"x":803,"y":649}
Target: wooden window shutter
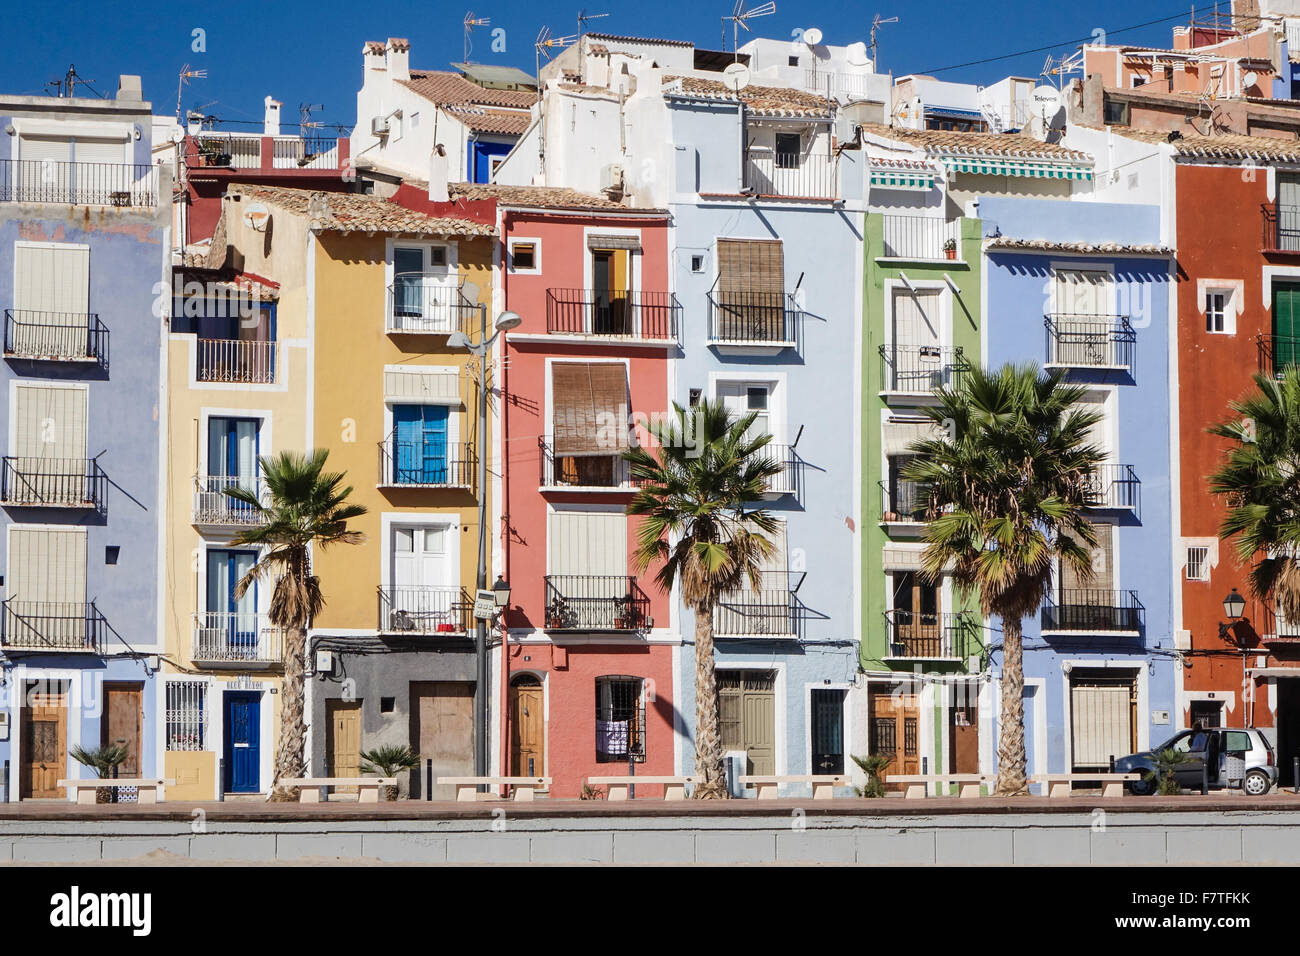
{"x":1103,"y":564}
{"x":590,"y":401}
{"x":751,"y":266}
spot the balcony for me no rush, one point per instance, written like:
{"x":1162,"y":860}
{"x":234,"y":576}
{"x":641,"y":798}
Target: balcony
{"x":791,"y":175}
{"x":53,"y":483}
{"x":254,"y":151}
{"x":55,"y":336}
{"x":1090,"y":341}
{"x":1092,"y":610}
{"x":920,"y":369}
{"x":769,"y":611}
{"x":596,"y":602}
{"x":236,"y":361}
{"x":902,"y":503}
{"x":1274,"y":628}
{"x":1276,"y":352}
{"x":236,"y":639}
{"x":759,"y":319}
{"x":921,"y":238}
{"x":785,"y":481}
{"x":1281,"y":228}
{"x":583,"y":472}
{"x":52,"y":626}
{"x":852,"y":86}
{"x":214,"y":508}
{"x":123,"y":185}
{"x":423,"y":305}
{"x":652,"y":316}
{"x":1114,"y":487}
{"x":425,"y":610}
{"x":424,"y":464}
{"x":940,"y":636}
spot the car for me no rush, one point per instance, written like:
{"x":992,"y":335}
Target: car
{"x":1239,"y":757}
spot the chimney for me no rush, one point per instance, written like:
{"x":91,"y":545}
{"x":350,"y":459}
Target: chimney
{"x":271,"y":119}
{"x":372,"y":56}
{"x":399,"y":58}
{"x":438,"y":175}
{"x":129,"y":89}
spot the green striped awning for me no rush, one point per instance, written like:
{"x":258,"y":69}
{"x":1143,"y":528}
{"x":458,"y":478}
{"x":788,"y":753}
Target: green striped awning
{"x":1012,"y":167}
{"x":897,"y":179}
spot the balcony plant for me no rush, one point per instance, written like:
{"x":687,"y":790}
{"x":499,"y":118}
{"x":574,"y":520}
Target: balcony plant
{"x":699,"y":530}
{"x":625,"y":615}
{"x":950,"y":248}
{"x":104,"y":761}
{"x":388,"y":761}
{"x":303,"y":508}
{"x":558,"y":615}
{"x":1006,"y":501}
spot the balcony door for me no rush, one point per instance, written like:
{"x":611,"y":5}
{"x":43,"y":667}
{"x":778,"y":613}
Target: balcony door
{"x":917,"y":341}
{"x":421,"y":579}
{"x":1083,"y":306}
{"x":424,"y":289}
{"x":46,"y":584}
{"x":420,"y":440}
{"x":49,"y":445}
{"x":1288,"y":211}
{"x":611,"y":277}
{"x":918,"y":622}
{"x":1286,"y":324}
{"x":742,"y":398}
{"x":51,"y":300}
{"x":231,"y":624}
{"x":751,"y":291}
{"x":1088,"y":602}
{"x":589,"y":427}
{"x":233,"y":450}
{"x":46,"y":169}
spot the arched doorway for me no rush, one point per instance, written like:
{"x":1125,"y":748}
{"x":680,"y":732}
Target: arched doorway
{"x":527,"y":726}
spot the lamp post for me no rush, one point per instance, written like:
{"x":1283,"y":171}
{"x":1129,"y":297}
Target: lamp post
{"x":1233,"y":606}
{"x":482,"y":702}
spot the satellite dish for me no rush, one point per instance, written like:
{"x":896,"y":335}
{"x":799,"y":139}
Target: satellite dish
{"x":256,"y":216}
{"x":1249,"y":80}
{"x":1046,"y":98}
{"x":856,"y":54}
{"x":736,"y":77}
{"x":812,"y":36}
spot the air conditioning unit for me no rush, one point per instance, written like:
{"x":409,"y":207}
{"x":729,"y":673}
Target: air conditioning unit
{"x":379,"y":126}
{"x":611,"y":178}
{"x":734,"y":763}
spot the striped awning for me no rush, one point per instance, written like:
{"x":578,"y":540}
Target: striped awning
{"x":990,"y":166}
{"x":902,"y":179}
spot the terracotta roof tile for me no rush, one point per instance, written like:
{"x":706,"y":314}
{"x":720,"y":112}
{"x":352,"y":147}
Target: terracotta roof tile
{"x":355,"y":212}
{"x":539,"y":197}
{"x":622,"y":39}
{"x":452,"y":89}
{"x":1226,"y":146}
{"x":399,"y":43}
{"x":483,"y":120}
{"x":1086,"y":248}
{"x":950,"y":143}
{"x":374,"y":46}
{"x":763,"y":100}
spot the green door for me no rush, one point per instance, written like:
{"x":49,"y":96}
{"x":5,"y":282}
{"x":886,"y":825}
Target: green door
{"x":1286,"y":326}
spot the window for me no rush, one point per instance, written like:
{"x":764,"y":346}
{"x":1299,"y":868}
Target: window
{"x":749,"y":304}
{"x":697,"y":264}
{"x":620,"y":720}
{"x":1198,"y":565}
{"x":418,"y":450}
{"x":789,"y":147}
{"x":1115,"y":113}
{"x":793,"y":61}
{"x":1218,"y":311}
{"x":590,"y":429}
{"x":1236,"y":742}
{"x":387,"y":705}
{"x":186,"y":715}
{"x":438,"y":256}
{"x":1138,"y":81}
{"x":525,"y":255}
{"x":51,"y":300}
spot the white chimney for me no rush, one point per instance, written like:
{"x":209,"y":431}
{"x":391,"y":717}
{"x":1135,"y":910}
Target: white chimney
{"x":271,"y":122}
{"x":438,"y":175}
{"x":129,"y":89}
{"x":399,"y":58}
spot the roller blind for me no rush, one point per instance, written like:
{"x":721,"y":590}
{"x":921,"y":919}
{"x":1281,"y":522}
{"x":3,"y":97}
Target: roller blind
{"x":49,"y":422}
{"x":436,"y":387}
{"x":1103,"y":564}
{"x":751,"y":266}
{"x":52,"y":278}
{"x":47,"y":565}
{"x":586,"y":542}
{"x":590,"y":401}
{"x":632,"y":243}
{"x":1102,"y":723}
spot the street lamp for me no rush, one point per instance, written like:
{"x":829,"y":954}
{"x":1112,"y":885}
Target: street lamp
{"x":1233,"y":605}
{"x":482,"y":702}
{"x":501,"y":591}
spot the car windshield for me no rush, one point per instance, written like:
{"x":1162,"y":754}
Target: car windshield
{"x":1183,"y":742}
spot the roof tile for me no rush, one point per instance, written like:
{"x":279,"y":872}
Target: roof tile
{"x":763,"y":100}
{"x":452,"y":89}
{"x":539,"y":197}
{"x":356,"y":212}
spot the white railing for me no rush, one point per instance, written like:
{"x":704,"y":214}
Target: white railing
{"x":295,"y":152}
{"x":423,"y":609}
{"x":213,"y":506}
{"x":792,"y":175}
{"x":1293,"y":36}
{"x":427,"y":304}
{"x":233,"y":637}
{"x":833,"y":83}
{"x":243,"y":149}
{"x":236,"y":360}
{"x":921,"y":237}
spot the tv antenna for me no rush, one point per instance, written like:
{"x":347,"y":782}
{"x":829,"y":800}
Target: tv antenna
{"x":67,"y":86}
{"x":739,"y":21}
{"x":304,"y":117}
{"x":877,"y":22}
{"x":543,"y":46}
{"x":186,"y":75}
{"x":471,"y":22}
{"x":584,"y":16}
{"x":1060,"y":69}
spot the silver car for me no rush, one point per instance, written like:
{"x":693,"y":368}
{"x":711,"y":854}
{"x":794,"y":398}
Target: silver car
{"x":1239,"y":757}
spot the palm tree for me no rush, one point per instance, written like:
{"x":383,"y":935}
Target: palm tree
{"x":701,"y":533}
{"x":308,"y":506}
{"x":1260,"y":481}
{"x":1006,"y":488}
{"x":104,"y":761}
{"x":388,"y":760}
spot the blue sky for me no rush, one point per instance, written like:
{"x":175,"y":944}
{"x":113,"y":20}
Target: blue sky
{"x":311,"y":52}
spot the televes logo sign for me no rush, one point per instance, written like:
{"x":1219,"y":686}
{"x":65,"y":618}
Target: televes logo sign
{"x":76,"y":909}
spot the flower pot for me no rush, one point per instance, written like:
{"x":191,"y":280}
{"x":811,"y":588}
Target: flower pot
{"x":950,"y":253}
{"x":446,"y":628}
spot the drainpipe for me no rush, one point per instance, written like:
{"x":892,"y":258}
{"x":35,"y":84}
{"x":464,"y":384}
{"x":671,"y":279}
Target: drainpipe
{"x":505,"y":530}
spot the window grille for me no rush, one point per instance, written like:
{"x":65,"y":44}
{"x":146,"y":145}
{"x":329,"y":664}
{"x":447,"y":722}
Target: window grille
{"x":187,"y":722}
{"x":620,"y":720}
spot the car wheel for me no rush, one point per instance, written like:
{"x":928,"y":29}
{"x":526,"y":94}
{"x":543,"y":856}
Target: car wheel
{"x":1142,"y":787}
{"x":1256,"y":783}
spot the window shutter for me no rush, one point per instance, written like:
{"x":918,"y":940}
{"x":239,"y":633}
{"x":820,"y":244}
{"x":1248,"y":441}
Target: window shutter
{"x":590,"y":401}
{"x":916,"y":318}
{"x":587,"y":542}
{"x":751,"y":266}
{"x":52,"y":278}
{"x":47,"y":565}
{"x":1103,"y":564}
{"x":37,"y":148}
{"x":50,"y":422}
{"x":1082,"y":292}
{"x":422,"y":387}
{"x":100,"y":151}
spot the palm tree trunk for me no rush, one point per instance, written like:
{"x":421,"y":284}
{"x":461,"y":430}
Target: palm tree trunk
{"x":1011,"y":737}
{"x":708,"y":741}
{"x":293,"y":731}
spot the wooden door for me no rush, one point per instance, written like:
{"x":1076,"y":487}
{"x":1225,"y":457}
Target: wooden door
{"x":343,"y":746}
{"x":123,"y":715}
{"x":442,"y":730}
{"x":963,"y":731}
{"x":747,"y":717}
{"x":527,"y":727}
{"x":895,"y":731}
{"x":44,"y":744}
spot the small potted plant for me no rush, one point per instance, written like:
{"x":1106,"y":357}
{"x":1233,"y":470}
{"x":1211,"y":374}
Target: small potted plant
{"x":950,"y":248}
{"x":556,"y":613}
{"x":625,"y":614}
{"x":388,"y":761}
{"x":104,"y":761}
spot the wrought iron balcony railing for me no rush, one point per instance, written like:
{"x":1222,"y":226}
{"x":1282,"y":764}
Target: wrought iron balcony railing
{"x":53,"y":626}
{"x":614,"y":315}
{"x":1274,"y":627}
{"x":55,"y":336}
{"x":53,"y":483}
{"x":792,"y":175}
{"x":1084,"y":610}
{"x":921,"y":237}
{"x":596,"y":602}
{"x":920,"y":369}
{"x":212,"y":506}
{"x":902,"y":502}
{"x":753,"y":318}
{"x":770,"y":611}
{"x":243,"y":361}
{"x":420,"y":304}
{"x":1090,"y":341}
{"x":427,"y":464}
{"x":1114,"y":486}
{"x":916,"y":635}
{"x":427,"y":609}
{"x":1276,"y":352}
{"x":235,"y":637}
{"x":1281,"y":228}
{"x":608,"y":471}
{"x":81,"y":184}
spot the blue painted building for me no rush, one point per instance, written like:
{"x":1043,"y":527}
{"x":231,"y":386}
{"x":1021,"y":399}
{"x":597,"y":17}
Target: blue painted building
{"x":84,"y":242}
{"x":1085,"y":287}
{"x":768,"y":238}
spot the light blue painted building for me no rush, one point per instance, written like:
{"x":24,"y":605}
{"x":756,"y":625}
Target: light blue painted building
{"x":84,"y":242}
{"x":1085,"y":287}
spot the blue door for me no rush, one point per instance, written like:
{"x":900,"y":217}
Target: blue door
{"x":243,"y":743}
{"x":421,"y":438}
